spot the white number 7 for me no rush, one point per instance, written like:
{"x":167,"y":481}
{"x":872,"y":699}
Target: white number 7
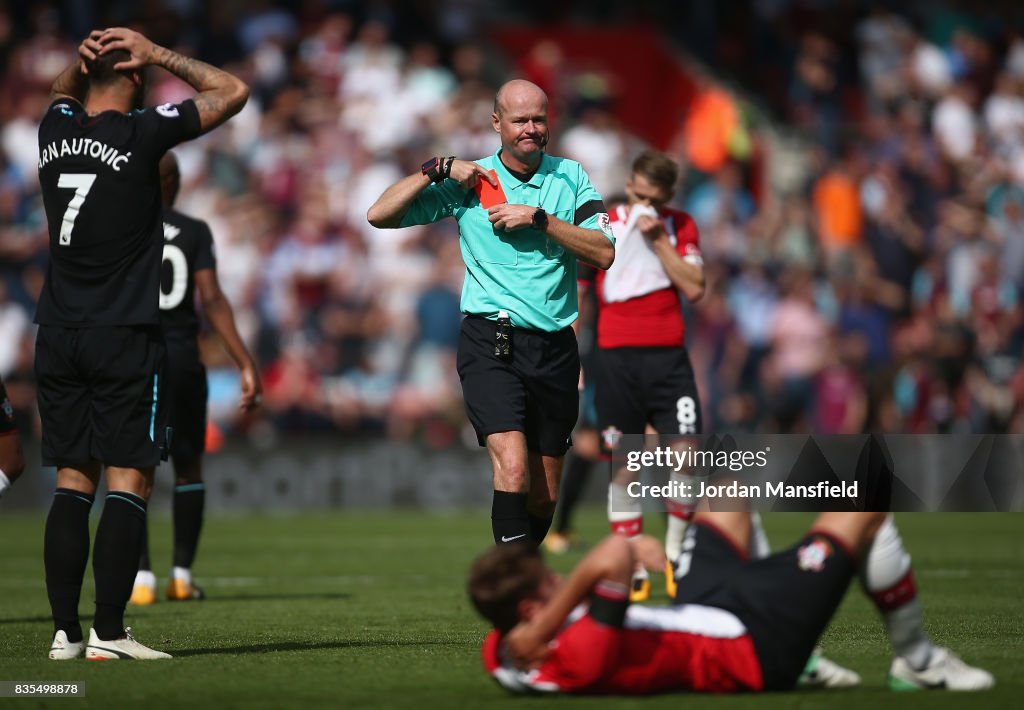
{"x":81,"y":183}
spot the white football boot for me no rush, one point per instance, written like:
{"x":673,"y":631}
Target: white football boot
{"x":821,"y":672}
{"x":63,"y":650}
{"x":945,"y":671}
{"x":127,"y":648}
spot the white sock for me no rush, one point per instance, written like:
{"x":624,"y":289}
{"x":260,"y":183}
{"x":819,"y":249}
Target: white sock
{"x":182,"y":573}
{"x":889,"y":580}
{"x":759,"y":545}
{"x":5,"y":483}
{"x":145,"y":578}
{"x":674,"y":533}
{"x":680,"y":512}
{"x":625,"y":513}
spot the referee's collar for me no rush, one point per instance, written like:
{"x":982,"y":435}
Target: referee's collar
{"x":536,"y":180}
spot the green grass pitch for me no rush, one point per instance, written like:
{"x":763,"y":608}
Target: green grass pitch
{"x":367,"y":609}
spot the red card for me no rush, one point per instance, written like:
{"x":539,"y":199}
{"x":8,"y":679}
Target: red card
{"x":489,"y":195}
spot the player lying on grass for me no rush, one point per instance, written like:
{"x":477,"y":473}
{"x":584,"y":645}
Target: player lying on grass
{"x":736,"y":625}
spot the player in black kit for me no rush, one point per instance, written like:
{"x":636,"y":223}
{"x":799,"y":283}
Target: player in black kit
{"x":100,"y":354}
{"x":12,"y":460}
{"x":189,"y":265}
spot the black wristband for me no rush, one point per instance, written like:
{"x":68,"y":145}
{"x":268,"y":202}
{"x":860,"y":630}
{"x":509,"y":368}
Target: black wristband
{"x":432,"y":169}
{"x":446,"y":172}
{"x":540,"y":220}
{"x":609,"y":613}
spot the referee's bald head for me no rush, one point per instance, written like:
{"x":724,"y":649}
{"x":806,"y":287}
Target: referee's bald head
{"x":515,"y":91}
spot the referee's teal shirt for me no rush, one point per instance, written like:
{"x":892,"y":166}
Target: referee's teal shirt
{"x":523,"y":271}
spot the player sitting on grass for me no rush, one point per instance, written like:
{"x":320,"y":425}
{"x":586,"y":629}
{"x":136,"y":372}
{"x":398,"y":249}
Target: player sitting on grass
{"x":736,"y":626}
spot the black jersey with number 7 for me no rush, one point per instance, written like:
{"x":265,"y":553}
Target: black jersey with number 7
{"x":100,"y":181}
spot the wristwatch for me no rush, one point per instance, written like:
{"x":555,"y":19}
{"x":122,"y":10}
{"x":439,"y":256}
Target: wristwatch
{"x":433,"y":169}
{"x":540,"y":220}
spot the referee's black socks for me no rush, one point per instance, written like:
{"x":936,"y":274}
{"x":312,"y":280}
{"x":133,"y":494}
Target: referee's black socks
{"x":510,"y":522}
{"x":539,"y":526}
{"x":65,"y":553}
{"x":116,"y":559}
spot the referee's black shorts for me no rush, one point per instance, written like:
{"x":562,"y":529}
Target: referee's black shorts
{"x":535,"y":391}
{"x":101,"y":392}
{"x":785,"y":600}
{"x":187,"y":396}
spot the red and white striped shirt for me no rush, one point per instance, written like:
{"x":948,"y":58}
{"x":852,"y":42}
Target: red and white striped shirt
{"x":638,"y":305}
{"x":689,"y":647}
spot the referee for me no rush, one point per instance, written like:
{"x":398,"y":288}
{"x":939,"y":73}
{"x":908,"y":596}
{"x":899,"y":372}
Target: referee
{"x":100,"y":355}
{"x":518,"y":359}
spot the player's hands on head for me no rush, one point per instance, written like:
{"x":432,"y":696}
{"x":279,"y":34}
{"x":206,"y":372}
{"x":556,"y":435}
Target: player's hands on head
{"x":252,"y":390}
{"x":137,"y":45}
{"x":526,"y":646}
{"x":509,"y":217}
{"x":89,"y":49}
{"x":651,"y":227}
{"x":468,"y":174}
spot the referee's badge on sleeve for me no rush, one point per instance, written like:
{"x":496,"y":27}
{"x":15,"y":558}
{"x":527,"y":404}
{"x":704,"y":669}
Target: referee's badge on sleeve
{"x":605,"y":224}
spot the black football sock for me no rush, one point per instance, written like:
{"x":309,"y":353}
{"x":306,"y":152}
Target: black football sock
{"x":115,"y":560}
{"x":539,"y":527}
{"x":576,"y":474}
{"x":145,"y":565}
{"x":189,"y":500}
{"x":509,"y":520}
{"x":65,"y":554}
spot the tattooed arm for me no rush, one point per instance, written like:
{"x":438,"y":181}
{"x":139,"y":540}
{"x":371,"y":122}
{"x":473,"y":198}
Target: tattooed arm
{"x":221,"y":95}
{"x":72,"y":83}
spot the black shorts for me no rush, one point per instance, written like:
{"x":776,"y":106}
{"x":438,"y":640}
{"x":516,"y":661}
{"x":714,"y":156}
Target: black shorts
{"x":186,"y":400}
{"x":785,"y":600}
{"x":637,"y":386}
{"x":7,"y":423}
{"x":101,"y":394}
{"x":534,"y":392}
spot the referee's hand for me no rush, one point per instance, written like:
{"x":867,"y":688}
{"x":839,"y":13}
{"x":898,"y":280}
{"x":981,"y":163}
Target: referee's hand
{"x":508,"y":217}
{"x":468,"y":174}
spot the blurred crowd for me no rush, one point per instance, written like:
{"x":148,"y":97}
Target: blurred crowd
{"x":881,"y":291}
